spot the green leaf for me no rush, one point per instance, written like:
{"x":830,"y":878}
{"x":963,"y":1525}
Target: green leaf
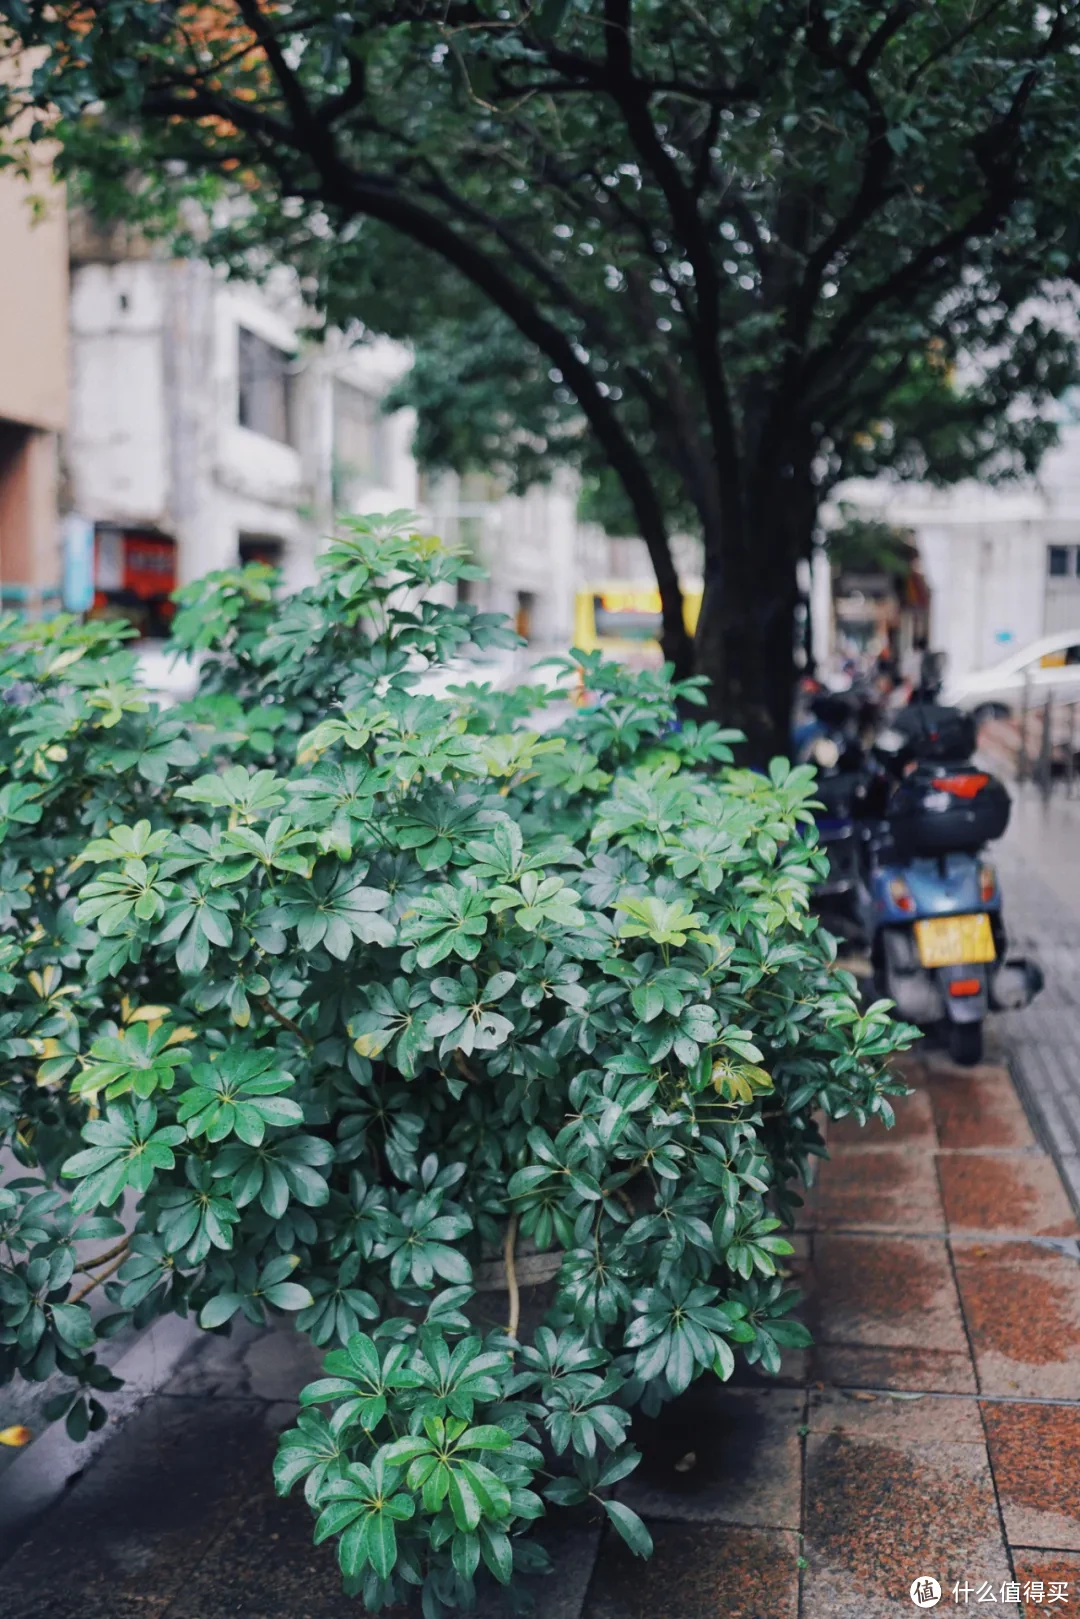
{"x":630,"y":1528}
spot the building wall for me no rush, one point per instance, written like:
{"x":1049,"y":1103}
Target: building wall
{"x":155,"y":440}
{"x":33,"y":305}
{"x":33,"y":386}
{"x":984,"y":553}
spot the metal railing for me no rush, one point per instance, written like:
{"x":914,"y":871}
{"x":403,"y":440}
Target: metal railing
{"x":1051,"y":761}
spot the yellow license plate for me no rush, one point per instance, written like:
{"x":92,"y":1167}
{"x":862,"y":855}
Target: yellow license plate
{"x":953,"y":941}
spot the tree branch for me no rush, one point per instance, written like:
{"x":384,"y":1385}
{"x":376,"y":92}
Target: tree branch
{"x":102,"y":1276}
{"x":511,"y":1277}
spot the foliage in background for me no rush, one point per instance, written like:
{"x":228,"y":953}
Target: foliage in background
{"x":733,"y":253}
{"x":869,"y":545}
{"x":323,"y":986}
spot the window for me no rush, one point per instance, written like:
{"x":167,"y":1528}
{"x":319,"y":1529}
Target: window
{"x":523,"y":617}
{"x":134,"y":576}
{"x":265,"y":386}
{"x":266,"y":548}
{"x":358,"y":439}
{"x":1057,"y":561}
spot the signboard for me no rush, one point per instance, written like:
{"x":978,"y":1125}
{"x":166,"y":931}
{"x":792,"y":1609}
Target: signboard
{"x":78,"y":546}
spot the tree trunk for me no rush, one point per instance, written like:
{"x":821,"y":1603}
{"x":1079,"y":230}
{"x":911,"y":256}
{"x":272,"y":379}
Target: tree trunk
{"x":745,"y":640}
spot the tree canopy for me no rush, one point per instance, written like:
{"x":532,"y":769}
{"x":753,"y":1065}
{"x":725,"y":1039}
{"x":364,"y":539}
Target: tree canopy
{"x":748,"y":243}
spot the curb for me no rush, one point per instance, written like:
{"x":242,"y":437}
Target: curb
{"x":44,"y":1471}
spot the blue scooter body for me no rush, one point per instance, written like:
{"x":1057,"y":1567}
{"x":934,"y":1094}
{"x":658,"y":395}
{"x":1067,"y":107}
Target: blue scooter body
{"x":932,"y":886}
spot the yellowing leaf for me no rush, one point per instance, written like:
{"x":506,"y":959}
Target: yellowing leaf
{"x":64,"y":660}
{"x":43,"y":983}
{"x":185,"y":1032}
{"x":740,"y":1081}
{"x":147,"y":1014}
{"x":14,"y":1437}
{"x":370,"y":1045}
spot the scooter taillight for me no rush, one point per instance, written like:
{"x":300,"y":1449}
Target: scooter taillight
{"x":901,"y":895}
{"x":965,"y":986}
{"x":967,"y":785}
{"x":987,"y":882}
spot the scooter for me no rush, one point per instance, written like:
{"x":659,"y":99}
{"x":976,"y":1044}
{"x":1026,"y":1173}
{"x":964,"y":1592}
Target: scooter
{"x":830,"y":738}
{"x":931,"y":900}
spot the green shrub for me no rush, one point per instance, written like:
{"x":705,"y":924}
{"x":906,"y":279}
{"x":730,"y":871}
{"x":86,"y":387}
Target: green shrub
{"x":334,"y":986}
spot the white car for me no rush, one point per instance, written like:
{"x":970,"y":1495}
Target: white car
{"x":1049,"y":666}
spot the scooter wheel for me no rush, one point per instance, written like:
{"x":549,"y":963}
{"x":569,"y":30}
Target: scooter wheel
{"x":966,"y":1043}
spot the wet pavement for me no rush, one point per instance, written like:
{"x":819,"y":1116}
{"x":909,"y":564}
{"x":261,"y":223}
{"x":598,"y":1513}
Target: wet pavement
{"x":1040,"y":873}
{"x":933,"y":1430}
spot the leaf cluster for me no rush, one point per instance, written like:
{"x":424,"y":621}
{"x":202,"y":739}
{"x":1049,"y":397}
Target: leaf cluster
{"x":371,"y":984}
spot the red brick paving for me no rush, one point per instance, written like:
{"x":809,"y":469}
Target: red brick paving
{"x":984,"y":1192}
{"x":723,"y":1574}
{"x":1021,"y":1302}
{"x":1046,"y":1567}
{"x":885,"y":1292}
{"x":977,"y":1107}
{"x":1035,"y":1450}
{"x":942,"y":1395}
{"x":879,"y":1189}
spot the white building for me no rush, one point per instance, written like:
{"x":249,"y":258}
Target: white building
{"x":205,"y":428}
{"x":1003,"y":563}
{"x":208,"y":426}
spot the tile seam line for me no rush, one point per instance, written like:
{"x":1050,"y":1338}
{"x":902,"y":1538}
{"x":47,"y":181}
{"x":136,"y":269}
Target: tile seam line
{"x":900,"y":1397}
{"x":978,"y":1385}
{"x":972,"y":1234}
{"x":587,"y":1594}
{"x":804,"y":1434}
{"x":956,"y":1287}
{"x":997,"y":1493}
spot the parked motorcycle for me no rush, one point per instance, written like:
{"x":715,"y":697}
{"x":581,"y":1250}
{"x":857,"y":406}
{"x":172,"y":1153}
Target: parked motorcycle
{"x":930,"y":898}
{"x":832,"y":737}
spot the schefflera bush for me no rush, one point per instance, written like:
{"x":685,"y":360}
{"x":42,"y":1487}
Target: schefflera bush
{"x":340,"y":985}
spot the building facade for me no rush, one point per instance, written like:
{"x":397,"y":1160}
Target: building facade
{"x":207,"y":428}
{"x":1002,"y":564}
{"x":33,"y":386}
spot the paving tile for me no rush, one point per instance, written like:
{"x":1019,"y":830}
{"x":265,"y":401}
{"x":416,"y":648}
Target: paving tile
{"x":977,"y":1107}
{"x":908,"y":1369}
{"x":878,"y":1190}
{"x":1035,"y":1454}
{"x":1048,"y":1567}
{"x":747,"y":1463}
{"x":263,"y":1565}
{"x":911,"y":1066}
{"x":123,"y":1541}
{"x":572,"y":1541}
{"x":996,"y":1192}
{"x":882,"y":1511}
{"x":261,"y":1363}
{"x":1022,"y":1307}
{"x":914,"y":1125}
{"x":885,"y":1292}
{"x":922,"y":1419}
{"x":725,"y":1574}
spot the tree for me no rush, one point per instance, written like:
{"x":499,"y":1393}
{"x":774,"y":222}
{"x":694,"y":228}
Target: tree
{"x":340,"y":987}
{"x":740,"y":237}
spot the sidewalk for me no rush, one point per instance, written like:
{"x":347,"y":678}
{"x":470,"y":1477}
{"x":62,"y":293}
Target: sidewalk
{"x":1040,"y":871}
{"x":934,"y":1429}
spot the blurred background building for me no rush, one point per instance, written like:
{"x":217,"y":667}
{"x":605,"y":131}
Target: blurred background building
{"x":33,"y":387}
{"x":158,"y":420}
